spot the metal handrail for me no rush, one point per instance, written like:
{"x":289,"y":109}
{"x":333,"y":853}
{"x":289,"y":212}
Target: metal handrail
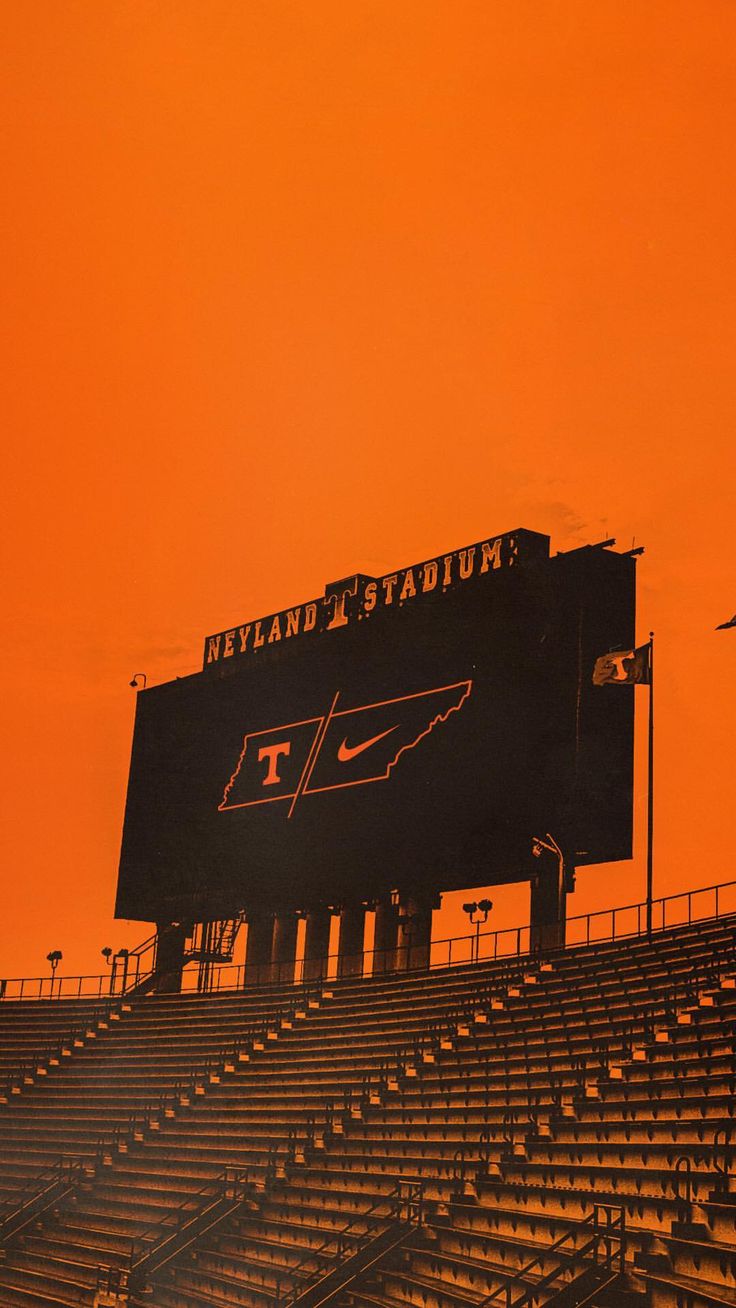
{"x":406,"y":1196}
{"x":232,"y":1184}
{"x":682,"y":1180}
{"x":47,"y":1185}
{"x":453,"y":951}
{"x":612,"y":1231}
{"x":155,"y":1237}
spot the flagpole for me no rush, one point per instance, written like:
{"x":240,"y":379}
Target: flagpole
{"x":650,"y":796}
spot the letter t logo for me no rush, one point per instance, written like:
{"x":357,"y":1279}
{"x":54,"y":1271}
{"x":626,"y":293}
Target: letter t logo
{"x":272,"y":753}
{"x":338,"y":594}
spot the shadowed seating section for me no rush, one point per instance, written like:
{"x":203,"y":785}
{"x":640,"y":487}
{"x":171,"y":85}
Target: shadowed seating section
{"x":542,"y":1130}
{"x":37,"y":1033}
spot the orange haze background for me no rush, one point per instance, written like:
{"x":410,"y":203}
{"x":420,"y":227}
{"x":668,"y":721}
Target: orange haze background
{"x":292,"y":290}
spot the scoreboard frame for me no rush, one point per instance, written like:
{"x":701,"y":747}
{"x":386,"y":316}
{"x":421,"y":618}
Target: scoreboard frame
{"x":415,"y":735}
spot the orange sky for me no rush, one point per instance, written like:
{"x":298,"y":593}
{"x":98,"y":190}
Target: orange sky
{"x":296,"y":289}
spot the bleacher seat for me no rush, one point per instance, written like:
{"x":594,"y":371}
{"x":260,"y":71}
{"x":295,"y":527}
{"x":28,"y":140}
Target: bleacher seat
{"x":525,"y":1095}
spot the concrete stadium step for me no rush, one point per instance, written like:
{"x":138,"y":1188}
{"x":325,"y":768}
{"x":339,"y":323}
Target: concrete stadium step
{"x":683,"y":1292}
{"x":92,"y":1247}
{"x":249,"y":1290}
{"x":702,"y":1259}
{"x":647,"y":1108}
{"x":45,"y":1287}
{"x":720,"y":1217}
{"x":653,"y":1182}
{"x":409,"y":1288}
{"x":650,"y":1213}
{"x":282,"y":1251}
{"x":168,"y":1296}
{"x":662,"y":1131}
{"x":529,"y":1226}
{"x":21,"y":1294}
{"x":641,"y":1158}
{"x":190,"y":1289}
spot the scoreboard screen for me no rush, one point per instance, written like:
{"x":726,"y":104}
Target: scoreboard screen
{"x":417,"y":736}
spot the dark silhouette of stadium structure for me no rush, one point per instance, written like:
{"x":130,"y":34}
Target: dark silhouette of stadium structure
{"x":534,"y":1117}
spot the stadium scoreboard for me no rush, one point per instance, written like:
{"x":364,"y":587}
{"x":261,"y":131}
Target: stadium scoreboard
{"x":414,"y":730}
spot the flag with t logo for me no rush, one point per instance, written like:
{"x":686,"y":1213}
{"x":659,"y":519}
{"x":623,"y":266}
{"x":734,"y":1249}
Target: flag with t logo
{"x":623,"y":667}
{"x":631,"y":667}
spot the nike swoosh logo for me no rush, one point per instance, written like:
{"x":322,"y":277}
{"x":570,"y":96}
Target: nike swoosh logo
{"x":346,"y":752}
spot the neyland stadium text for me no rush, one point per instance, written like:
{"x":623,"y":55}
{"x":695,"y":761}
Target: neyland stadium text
{"x":357,"y":597}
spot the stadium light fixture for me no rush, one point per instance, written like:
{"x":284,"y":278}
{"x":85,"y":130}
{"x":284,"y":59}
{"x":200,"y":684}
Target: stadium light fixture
{"x":54,"y":957}
{"x":484,"y":906}
{"x":134,"y":682}
{"x":549,"y":843}
{"x":117,"y":961}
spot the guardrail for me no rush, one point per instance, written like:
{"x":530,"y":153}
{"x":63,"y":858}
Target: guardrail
{"x":623,"y":922}
{"x":401,"y":1208}
{"x":172,"y":1234}
{"x":602,"y":1251}
{"x":40,"y":1193}
{"x":179,"y":1229}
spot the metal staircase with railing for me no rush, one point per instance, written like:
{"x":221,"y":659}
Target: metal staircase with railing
{"x":352,"y":1253}
{"x":42,"y":1193}
{"x":589,"y":1258}
{"x":173,"y":1235}
{"x":138,"y":971}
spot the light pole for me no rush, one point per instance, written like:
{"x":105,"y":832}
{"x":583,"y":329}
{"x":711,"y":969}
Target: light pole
{"x":54,"y":958}
{"x":121,"y":955}
{"x":548,"y":843}
{"x":484,"y":906}
{"x":116,"y":962}
{"x":107,"y":955}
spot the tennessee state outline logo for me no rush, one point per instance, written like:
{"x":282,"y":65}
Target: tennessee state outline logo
{"x":343,"y":747}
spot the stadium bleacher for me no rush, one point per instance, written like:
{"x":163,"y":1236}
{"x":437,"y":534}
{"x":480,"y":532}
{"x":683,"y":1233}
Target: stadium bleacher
{"x":551,"y":1129}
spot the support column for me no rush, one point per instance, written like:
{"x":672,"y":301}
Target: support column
{"x":350,"y":940}
{"x":258,"y":949}
{"x":317,"y":944}
{"x":283,"y":949}
{"x":385,"y":935}
{"x":169,"y":965}
{"x":206,"y":941}
{"x":415,"y":932}
{"x":548,"y":910}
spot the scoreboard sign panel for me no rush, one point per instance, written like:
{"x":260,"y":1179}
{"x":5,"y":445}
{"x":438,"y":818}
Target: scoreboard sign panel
{"x":413,"y":743}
